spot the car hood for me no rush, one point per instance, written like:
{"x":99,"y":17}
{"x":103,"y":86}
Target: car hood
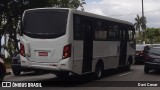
{"x":155,"y":56}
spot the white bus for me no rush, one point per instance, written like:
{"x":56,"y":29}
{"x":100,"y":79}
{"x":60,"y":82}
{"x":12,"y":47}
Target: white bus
{"x":66,"y":41}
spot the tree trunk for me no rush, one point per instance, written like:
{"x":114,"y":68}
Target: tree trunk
{"x":151,"y":40}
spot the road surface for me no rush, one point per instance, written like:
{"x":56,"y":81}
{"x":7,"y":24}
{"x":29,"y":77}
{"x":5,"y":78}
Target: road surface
{"x":111,"y":79}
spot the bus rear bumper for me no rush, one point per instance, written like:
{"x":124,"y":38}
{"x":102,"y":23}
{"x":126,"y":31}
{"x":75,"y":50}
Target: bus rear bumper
{"x":48,"y":66}
{"x":63,"y":65}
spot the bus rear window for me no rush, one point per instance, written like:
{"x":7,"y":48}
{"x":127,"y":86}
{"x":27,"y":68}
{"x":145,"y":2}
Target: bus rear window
{"x":45,"y":23}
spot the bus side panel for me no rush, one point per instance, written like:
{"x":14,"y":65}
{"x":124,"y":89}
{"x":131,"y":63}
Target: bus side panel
{"x":130,"y":51}
{"x":78,"y":57}
{"x":106,"y":51}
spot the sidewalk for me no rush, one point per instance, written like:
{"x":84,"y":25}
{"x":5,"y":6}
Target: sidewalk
{"x":8,"y":71}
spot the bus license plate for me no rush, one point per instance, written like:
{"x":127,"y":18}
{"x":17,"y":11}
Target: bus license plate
{"x":43,"y":53}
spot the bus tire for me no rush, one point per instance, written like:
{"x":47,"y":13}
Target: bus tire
{"x":62,"y":74}
{"x":130,"y":60}
{"x":128,"y":67}
{"x":99,"y":70}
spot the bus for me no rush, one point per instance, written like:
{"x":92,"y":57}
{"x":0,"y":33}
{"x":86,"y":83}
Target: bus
{"x":65,"y":41}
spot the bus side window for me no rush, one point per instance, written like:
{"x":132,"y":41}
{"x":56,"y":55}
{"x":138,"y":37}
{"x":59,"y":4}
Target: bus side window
{"x":130,"y":35}
{"x":100,"y":31}
{"x":100,"y":35}
{"x":113,"y":33}
{"x":78,"y":30}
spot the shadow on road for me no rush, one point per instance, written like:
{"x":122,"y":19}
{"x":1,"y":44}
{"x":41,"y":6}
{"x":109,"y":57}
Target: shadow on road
{"x":86,"y":80}
{"x":139,"y":63}
{"x":75,"y":80}
{"x":154,"y":72}
{"x":32,"y":73}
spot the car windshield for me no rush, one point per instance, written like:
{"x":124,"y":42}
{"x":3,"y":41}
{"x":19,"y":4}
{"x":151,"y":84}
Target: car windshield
{"x":155,"y":51}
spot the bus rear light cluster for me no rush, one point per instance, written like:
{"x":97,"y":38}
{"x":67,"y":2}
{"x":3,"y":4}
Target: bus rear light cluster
{"x":22,"y":50}
{"x":66,"y":51}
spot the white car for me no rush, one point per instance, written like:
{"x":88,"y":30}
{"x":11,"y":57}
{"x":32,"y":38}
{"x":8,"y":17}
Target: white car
{"x":2,"y":69}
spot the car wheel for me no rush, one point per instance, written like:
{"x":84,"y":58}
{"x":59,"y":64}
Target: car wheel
{"x":2,"y":73}
{"x":99,"y":71}
{"x":16,"y":72}
{"x":146,"y":70}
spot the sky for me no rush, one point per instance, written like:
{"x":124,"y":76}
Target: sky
{"x":126,"y":10}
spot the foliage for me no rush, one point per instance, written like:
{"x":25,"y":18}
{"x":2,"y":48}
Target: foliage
{"x":140,"y":26}
{"x":67,"y":3}
{"x":138,"y":38}
{"x":152,"y":35}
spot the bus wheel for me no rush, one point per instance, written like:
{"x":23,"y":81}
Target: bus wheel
{"x":99,"y":71}
{"x":62,"y":74}
{"x":130,"y":60}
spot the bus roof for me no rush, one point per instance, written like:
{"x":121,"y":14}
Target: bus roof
{"x":88,"y":14}
{"x":100,"y":17}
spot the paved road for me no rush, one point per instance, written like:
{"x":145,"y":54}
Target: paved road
{"x":135,"y":74}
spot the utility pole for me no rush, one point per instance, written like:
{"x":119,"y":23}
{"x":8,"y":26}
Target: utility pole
{"x":142,"y":9}
{"x":142,"y":27}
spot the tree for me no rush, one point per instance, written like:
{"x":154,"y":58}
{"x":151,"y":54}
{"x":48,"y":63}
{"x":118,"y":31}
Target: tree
{"x":68,"y":3}
{"x":140,"y":24}
{"x":153,"y":35}
{"x":157,"y":35}
{"x":137,"y":24}
{"x":150,"y":34}
{"x":11,"y":12}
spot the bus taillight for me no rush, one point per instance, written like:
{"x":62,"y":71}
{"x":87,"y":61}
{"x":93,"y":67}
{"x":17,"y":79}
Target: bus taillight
{"x":22,"y":50}
{"x":67,"y":51}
